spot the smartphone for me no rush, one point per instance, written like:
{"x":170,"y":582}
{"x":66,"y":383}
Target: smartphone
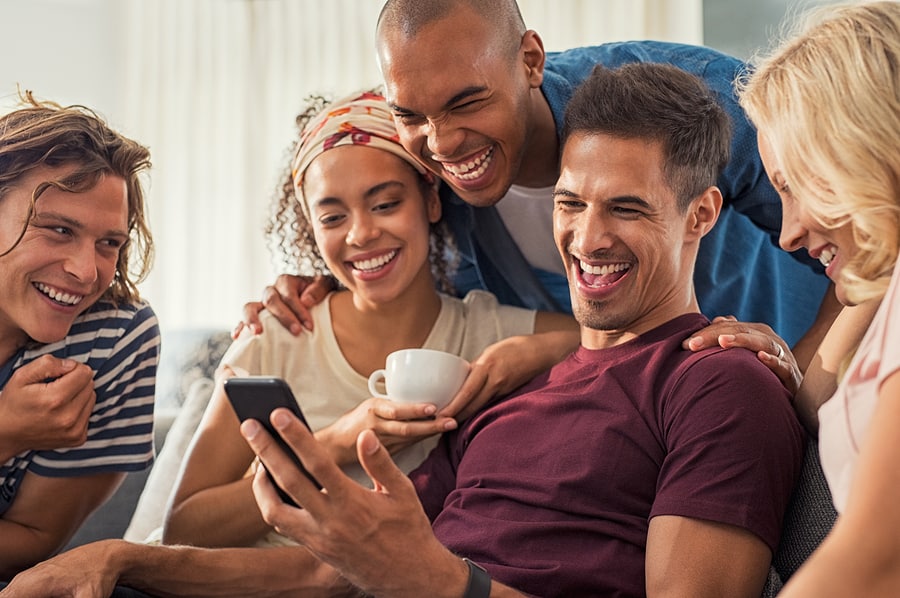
{"x":255,"y":397}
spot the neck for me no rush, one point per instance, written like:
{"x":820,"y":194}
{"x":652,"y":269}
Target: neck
{"x":368,"y":332}
{"x":540,"y":160}
{"x":653,"y":318}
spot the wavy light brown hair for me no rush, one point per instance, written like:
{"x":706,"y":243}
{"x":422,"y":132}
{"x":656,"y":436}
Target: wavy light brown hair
{"x":46,"y":134}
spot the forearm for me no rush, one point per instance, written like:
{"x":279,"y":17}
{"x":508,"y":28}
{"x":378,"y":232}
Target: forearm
{"x":181,"y":571}
{"x":222,"y":516}
{"x":22,"y":547}
{"x":839,"y":568}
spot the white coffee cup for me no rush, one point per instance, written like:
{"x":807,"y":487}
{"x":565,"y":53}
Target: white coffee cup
{"x":420,"y":376}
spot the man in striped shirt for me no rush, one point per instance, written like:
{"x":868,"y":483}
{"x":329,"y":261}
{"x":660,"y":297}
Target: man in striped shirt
{"x":78,"y":347}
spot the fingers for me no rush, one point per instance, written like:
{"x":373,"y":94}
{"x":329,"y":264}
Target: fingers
{"x":785,"y":369}
{"x":408,"y":420}
{"x":469,"y":392}
{"x":726,"y":326}
{"x":395,"y":410}
{"x":377,"y":463}
{"x":251,"y":319}
{"x":311,"y":454}
{"x":46,"y":368}
{"x":316,"y":291}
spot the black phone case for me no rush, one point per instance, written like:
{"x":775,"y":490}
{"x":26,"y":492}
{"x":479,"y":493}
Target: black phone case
{"x":255,"y":397}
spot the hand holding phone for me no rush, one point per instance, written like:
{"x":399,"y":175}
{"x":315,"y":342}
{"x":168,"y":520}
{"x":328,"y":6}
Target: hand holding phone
{"x":255,"y":397}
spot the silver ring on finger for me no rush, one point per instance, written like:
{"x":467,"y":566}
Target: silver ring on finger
{"x":780,"y":351}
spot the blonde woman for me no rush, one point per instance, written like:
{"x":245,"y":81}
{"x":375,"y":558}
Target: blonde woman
{"x":827,"y":107}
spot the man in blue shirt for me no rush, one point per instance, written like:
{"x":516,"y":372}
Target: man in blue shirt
{"x":488,"y":124}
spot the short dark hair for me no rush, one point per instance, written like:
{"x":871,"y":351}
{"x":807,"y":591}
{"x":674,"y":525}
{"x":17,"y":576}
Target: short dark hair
{"x":410,"y":16}
{"x":657,"y":102}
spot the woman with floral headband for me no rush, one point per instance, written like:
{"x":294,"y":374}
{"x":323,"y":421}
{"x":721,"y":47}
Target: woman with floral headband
{"x":358,"y":207}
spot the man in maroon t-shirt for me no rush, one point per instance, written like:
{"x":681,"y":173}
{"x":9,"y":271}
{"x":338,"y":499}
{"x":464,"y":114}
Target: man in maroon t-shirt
{"x":633,"y":467}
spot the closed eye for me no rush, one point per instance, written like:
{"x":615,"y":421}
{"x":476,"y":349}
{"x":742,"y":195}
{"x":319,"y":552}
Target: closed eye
{"x":329,"y":220}
{"x":385,"y":206}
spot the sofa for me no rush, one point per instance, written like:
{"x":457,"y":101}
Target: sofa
{"x":184,"y":384}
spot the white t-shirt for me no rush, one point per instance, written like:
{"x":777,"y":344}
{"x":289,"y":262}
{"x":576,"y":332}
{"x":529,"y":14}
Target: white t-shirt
{"x":527,"y":214}
{"x":844,"y":419}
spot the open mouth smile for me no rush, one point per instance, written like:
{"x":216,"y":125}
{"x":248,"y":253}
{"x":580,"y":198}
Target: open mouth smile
{"x":58,"y":296}
{"x":471,"y":169}
{"x":601,"y":276}
{"x":374,"y":264}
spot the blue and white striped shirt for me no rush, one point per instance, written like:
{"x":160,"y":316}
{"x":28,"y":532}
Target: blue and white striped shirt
{"x":121,"y":344}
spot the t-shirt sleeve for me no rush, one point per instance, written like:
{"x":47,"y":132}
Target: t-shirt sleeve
{"x":120,"y":434}
{"x":734,"y":446}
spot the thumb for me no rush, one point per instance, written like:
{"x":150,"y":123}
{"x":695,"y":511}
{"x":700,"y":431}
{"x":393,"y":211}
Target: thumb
{"x":377,"y":462}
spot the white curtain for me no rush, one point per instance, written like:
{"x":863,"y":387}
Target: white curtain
{"x":212,"y":86}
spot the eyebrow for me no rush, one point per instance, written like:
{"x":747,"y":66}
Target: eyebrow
{"x":619,"y":200}
{"x":39,"y":217}
{"x":368,"y":194}
{"x":459,"y":97}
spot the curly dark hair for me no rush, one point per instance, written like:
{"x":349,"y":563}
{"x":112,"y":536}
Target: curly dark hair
{"x":289,"y":233}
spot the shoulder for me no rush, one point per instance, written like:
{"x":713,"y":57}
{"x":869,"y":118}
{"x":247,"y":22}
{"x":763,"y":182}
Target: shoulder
{"x":109,"y":315}
{"x":478,"y":302}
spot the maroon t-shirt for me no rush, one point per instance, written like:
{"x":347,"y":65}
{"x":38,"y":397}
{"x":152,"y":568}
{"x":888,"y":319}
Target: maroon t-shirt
{"x":552,"y":488}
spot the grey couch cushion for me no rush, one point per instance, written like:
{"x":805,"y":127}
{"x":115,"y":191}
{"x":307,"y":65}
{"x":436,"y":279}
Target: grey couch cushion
{"x":809,"y":518}
{"x":151,"y":508}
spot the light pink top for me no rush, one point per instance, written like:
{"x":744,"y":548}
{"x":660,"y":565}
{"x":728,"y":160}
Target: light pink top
{"x":845,"y":418}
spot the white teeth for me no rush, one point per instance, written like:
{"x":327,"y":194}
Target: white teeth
{"x":603,"y":270}
{"x":58,"y":295}
{"x":374,"y":263}
{"x":827,"y":255}
{"x":470,"y":170}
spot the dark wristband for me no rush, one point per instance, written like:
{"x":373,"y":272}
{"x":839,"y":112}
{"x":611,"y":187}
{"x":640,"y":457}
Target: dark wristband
{"x":479,"y":585}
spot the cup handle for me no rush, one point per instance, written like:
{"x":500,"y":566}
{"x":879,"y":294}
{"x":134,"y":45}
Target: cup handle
{"x":374,"y":377}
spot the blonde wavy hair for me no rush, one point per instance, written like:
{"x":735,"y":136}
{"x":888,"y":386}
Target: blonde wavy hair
{"x":828,"y":102}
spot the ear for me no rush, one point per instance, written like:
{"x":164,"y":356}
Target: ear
{"x":433,"y":204}
{"x":533,"y":55}
{"x":703,"y":213}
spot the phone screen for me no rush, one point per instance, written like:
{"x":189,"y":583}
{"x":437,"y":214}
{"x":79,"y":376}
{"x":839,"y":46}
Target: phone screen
{"x":255,"y":397}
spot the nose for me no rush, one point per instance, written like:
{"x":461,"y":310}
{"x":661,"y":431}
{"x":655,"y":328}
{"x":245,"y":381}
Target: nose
{"x":443,"y":138}
{"x":363,"y":230}
{"x":591,"y":234}
{"x":793,"y":233}
{"x":82,"y":263}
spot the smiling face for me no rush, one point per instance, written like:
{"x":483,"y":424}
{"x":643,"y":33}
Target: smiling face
{"x":66,"y":259}
{"x":372,"y":228}
{"x":463,"y":102}
{"x":629,"y":252}
{"x":833,"y":247}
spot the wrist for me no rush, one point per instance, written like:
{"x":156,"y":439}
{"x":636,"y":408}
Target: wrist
{"x":479,"y":583}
